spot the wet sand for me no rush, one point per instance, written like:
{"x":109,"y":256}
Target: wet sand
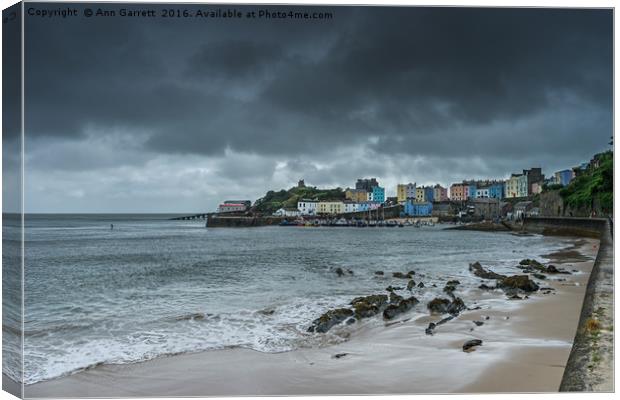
{"x":526,"y":344}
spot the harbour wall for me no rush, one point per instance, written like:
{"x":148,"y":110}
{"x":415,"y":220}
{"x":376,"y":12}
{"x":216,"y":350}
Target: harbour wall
{"x":563,"y":226}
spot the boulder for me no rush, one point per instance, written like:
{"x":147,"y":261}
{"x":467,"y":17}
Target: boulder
{"x":378,"y":272}
{"x":421,"y":285}
{"x":520,"y":282}
{"x":445,"y":306}
{"x":365,"y":310}
{"x":456,"y":306}
{"x":404,"y":305}
{"x":478,"y":323}
{"x":470,"y":345}
{"x":368,"y":306}
{"x":552,"y":269}
{"x":328,"y":320}
{"x":479,"y":271}
{"x":410,"y":284}
{"x":393,"y":288}
{"x":402,"y":275}
{"x":431,"y":327}
{"x":438,"y":305}
{"x":339,"y":271}
{"x":411,"y":273}
{"x":453,"y":283}
{"x":395,"y":298}
{"x":484,"y":286}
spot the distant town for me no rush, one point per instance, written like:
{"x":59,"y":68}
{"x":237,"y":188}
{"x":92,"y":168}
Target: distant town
{"x":514,"y":197}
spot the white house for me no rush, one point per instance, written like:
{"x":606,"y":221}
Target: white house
{"x":350,"y":207}
{"x":307,"y":207}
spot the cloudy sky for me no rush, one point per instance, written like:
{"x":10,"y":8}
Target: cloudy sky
{"x":175,"y":115}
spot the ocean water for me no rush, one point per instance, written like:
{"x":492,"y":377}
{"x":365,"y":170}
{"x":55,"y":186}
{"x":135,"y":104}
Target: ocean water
{"x":153,"y":287}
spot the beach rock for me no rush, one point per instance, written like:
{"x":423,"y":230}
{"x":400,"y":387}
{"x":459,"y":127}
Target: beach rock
{"x":552,"y":269}
{"x":531,"y":263}
{"x":521,"y":282}
{"x":539,"y":276}
{"x":350,"y":321}
{"x":453,"y":283}
{"x":340,"y":355}
{"x":478,"y":323}
{"x":395,"y":298}
{"x":421,"y":284}
{"x":438,"y":305}
{"x":485,"y":287}
{"x":404,"y":305}
{"x":339,"y":271}
{"x":379,"y":273}
{"x":402,"y":275}
{"x":430,"y":329}
{"x":349,"y":271}
{"x":449,"y":289}
{"x":411,"y":273}
{"x":470,"y":345}
{"x":479,"y":271}
{"x":410,"y":284}
{"x":456,"y":306}
{"x":393,"y":288}
{"x":368,"y":306}
{"x":515,"y":297}
{"x":365,"y":310}
{"x":376,"y":299}
{"x":328,"y":320}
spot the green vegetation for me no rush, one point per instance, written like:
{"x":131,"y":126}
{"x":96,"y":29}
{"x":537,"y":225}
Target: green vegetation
{"x":593,"y":186}
{"x":273,"y":201}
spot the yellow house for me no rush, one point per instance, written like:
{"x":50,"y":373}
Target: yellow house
{"x":405,"y":191}
{"x":356,"y":195}
{"x":330,"y":207}
{"x":419,"y":195}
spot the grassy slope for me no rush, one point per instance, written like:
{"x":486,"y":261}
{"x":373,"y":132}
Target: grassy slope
{"x":273,"y":201}
{"x":595,"y":184}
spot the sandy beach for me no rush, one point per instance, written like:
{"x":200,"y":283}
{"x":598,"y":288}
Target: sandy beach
{"x":527,"y":340}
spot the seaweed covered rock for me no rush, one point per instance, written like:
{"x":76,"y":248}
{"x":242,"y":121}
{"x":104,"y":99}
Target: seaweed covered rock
{"x":395,"y":298}
{"x":404,"y":305}
{"x":479,"y":271}
{"x":456,"y":306}
{"x":444,"y":306}
{"x":368,"y":306}
{"x":438,"y":305}
{"x":518,"y":282}
{"x":328,"y":320}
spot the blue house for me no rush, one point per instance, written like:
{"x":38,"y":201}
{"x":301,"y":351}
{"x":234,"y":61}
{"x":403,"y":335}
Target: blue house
{"x":496,"y":190}
{"x":429,"y":193}
{"x":472,"y":191}
{"x":413,"y":209}
{"x":378,"y":194}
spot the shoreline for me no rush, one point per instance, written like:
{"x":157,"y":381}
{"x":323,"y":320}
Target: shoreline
{"x":390,"y":359}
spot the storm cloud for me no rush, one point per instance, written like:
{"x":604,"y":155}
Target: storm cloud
{"x":174,"y":115}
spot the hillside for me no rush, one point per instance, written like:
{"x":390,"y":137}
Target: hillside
{"x":273,"y":201}
{"x":593,"y":188}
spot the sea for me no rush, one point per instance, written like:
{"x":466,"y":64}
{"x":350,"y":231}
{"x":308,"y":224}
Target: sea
{"x":154,"y":287}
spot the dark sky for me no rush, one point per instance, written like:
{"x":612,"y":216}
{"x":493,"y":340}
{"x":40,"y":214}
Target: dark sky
{"x":176,"y":114}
